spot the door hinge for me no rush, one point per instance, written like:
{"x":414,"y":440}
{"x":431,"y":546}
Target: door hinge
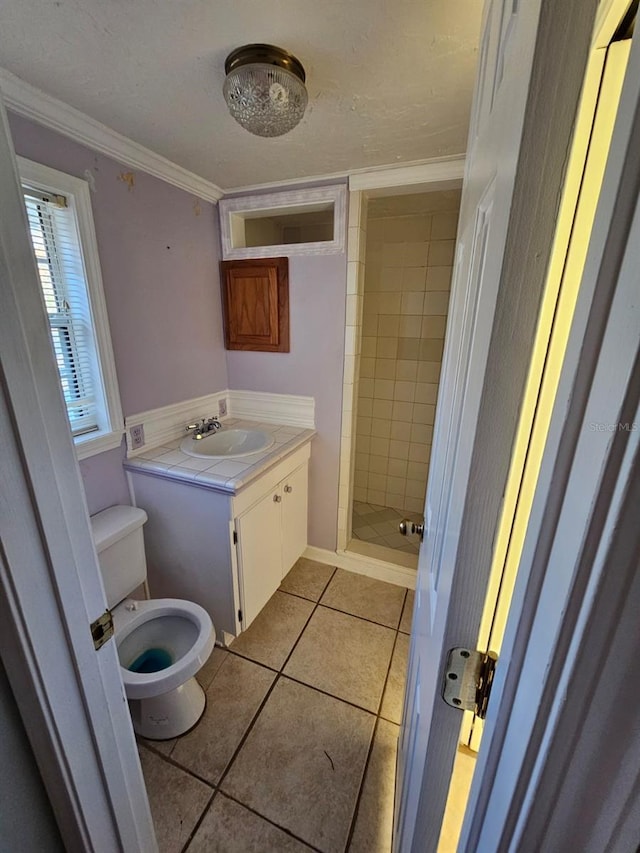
{"x":468,"y":678}
{"x":239,"y":615}
{"x":102,"y":629}
{"x":235,"y":537}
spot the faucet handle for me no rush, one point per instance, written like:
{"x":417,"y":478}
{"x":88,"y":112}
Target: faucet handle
{"x":192,"y":426}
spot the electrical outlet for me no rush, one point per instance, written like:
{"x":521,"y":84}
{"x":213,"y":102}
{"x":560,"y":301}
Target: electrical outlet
{"x":137,"y":435}
{"x":222,"y":407}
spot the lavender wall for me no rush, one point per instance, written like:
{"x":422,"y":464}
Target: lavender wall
{"x":159,"y":257}
{"x":159,"y":253}
{"x":314,"y":367}
{"x":104,"y":481}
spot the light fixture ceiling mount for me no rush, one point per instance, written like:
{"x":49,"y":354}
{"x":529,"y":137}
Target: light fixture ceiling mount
{"x":264,"y":89}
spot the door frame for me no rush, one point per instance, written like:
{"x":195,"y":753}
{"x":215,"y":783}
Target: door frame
{"x":70,"y":696}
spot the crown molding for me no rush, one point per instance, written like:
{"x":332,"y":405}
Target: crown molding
{"x":26,"y":100}
{"x":32,"y":103}
{"x":436,"y":169}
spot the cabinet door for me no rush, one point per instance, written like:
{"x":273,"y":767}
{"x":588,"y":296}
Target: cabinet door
{"x":255,"y":304}
{"x":294,"y":517}
{"x":259,"y":554}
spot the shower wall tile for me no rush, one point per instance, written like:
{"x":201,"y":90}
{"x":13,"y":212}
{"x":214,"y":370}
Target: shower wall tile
{"x":406,"y":297}
{"x":441,"y":253}
{"x":444,"y":225}
{"x":438,"y":278}
{"x":410,"y":327}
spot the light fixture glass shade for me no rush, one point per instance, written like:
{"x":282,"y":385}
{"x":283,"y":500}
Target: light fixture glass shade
{"x":264,"y":97}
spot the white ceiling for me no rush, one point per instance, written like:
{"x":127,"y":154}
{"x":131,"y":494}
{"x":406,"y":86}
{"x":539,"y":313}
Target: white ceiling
{"x":389,"y":81}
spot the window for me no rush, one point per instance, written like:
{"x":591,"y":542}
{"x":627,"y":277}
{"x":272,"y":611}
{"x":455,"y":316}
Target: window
{"x":293,"y":222}
{"x":61,"y":227}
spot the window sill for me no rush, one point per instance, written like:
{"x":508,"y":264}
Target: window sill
{"x":86,"y":446}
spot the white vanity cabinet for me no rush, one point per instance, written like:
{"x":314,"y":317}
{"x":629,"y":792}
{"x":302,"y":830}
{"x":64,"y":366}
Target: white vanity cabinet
{"x":271,"y":535}
{"x":226,"y":551}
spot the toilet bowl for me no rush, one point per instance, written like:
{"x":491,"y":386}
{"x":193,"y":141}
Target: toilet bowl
{"x":161,"y":643}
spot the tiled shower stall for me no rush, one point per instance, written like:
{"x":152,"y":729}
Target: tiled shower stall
{"x":410,"y":244}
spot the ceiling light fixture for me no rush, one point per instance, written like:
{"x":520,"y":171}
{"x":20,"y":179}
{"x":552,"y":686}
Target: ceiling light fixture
{"x":264,"y":89}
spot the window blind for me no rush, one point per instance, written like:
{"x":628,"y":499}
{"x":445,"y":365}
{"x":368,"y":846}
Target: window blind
{"x":54,"y":234}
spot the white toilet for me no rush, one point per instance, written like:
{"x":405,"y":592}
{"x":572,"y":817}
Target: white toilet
{"x":162,"y":643}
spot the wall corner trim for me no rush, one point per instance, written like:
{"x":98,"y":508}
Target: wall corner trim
{"x":26,"y":100}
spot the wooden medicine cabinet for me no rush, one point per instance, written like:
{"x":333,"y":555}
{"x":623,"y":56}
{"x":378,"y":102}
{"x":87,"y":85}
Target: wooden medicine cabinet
{"x":255,"y":304}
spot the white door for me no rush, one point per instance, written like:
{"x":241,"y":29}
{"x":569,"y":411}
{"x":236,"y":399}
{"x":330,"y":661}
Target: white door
{"x":505,"y":60}
{"x":558,"y":766}
{"x":70,"y":696}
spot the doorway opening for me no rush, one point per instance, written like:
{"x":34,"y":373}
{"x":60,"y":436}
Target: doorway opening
{"x":400,"y":260}
{"x":594,"y":128}
{"x":410,"y":243}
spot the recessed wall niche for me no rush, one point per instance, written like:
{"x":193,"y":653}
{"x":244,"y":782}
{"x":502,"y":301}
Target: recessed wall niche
{"x":300,"y":222}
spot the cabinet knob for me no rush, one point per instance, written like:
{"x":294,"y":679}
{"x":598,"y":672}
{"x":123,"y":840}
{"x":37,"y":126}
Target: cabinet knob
{"x":288,"y":489}
{"x":277,"y":499}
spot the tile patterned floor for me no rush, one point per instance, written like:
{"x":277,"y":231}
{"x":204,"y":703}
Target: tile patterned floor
{"x":378,"y":525}
{"x":296,"y":749}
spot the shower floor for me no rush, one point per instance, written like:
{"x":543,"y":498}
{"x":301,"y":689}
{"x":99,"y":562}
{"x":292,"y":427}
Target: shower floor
{"x":378,"y":525}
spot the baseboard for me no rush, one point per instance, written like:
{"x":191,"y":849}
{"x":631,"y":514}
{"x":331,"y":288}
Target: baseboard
{"x":168,"y":422}
{"x":360,"y":548}
{"x":372,"y":568}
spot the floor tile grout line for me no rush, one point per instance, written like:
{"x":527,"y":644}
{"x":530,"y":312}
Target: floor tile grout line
{"x":404,"y":604}
{"x":216,"y":788}
{"x":306,"y":624}
{"x":354,"y":817}
{"x":245,"y":656}
{"x":386,"y":681}
{"x":293,"y":648}
{"x":279,"y":675}
{"x":169,"y":760}
{"x":198,"y":823}
{"x":269,"y":820}
{"x":260,"y":707}
{"x":248,"y":731}
{"x":356,"y":805}
{"x":297,"y":595}
{"x":315,"y":603}
{"x":326,"y":693}
{"x":362,"y":618}
{"x":266,"y":697}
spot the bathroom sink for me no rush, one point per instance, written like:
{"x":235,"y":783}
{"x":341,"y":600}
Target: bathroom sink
{"x":227,"y":443}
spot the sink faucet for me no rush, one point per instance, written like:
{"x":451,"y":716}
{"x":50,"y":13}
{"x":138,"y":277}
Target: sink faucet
{"x":204,"y":427}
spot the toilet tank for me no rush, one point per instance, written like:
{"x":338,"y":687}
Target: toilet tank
{"x":117,"y":534}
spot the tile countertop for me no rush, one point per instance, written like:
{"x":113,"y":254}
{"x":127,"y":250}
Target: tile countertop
{"x":222,"y":475}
